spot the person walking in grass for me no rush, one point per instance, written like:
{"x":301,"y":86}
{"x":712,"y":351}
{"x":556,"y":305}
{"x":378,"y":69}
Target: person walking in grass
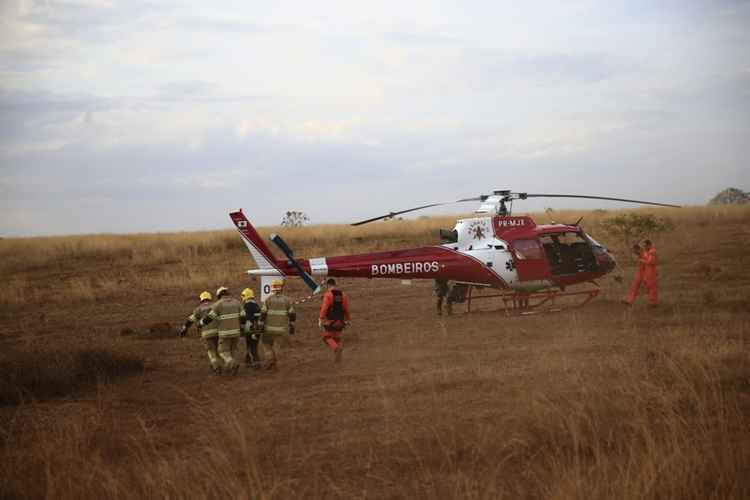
{"x":334,"y":317}
{"x":442,"y":289}
{"x":229,"y":315}
{"x":209,"y":334}
{"x":646,"y":274}
{"x":277,"y":316}
{"x":250,"y":329}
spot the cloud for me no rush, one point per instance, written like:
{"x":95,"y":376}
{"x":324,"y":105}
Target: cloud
{"x":111,"y":112}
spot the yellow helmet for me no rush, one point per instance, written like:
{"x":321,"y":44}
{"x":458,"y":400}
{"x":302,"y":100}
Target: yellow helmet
{"x":277,"y":284}
{"x":247,"y":294}
{"x":205,"y":296}
{"x":220,"y":290}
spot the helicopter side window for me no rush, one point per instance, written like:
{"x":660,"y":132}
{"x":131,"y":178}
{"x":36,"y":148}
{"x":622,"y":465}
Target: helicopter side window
{"x":528,"y":249}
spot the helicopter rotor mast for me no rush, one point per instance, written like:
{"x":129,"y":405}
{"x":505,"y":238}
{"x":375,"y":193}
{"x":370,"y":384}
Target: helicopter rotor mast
{"x":498,"y":203}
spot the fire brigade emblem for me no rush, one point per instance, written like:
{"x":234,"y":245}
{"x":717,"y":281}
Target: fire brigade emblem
{"x":476,"y":229}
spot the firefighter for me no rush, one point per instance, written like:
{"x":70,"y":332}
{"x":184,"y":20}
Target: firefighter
{"x":209,"y":334}
{"x":278,"y":317}
{"x":230,"y":317}
{"x":442,"y":289}
{"x":334,"y":317}
{"x":252,"y":315}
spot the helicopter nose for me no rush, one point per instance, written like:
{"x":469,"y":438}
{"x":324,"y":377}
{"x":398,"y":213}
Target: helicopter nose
{"x":606,"y":261}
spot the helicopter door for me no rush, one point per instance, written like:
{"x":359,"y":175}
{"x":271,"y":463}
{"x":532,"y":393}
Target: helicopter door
{"x":530,"y":261}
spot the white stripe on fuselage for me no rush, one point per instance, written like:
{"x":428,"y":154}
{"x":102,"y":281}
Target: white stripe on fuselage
{"x":319,"y":266}
{"x":508,"y":277}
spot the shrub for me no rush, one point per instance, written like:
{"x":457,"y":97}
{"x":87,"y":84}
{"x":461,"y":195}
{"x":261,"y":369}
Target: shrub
{"x":54,"y":372}
{"x":630,"y":227}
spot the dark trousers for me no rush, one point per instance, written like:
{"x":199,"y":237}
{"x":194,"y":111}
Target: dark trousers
{"x":252,"y":349}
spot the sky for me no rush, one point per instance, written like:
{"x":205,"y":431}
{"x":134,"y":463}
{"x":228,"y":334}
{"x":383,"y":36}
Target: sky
{"x":144,"y":116}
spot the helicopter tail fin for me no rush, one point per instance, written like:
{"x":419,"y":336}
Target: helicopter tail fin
{"x":258,"y":248}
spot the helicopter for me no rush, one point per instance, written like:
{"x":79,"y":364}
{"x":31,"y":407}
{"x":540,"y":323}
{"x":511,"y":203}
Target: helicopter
{"x":528,"y":264}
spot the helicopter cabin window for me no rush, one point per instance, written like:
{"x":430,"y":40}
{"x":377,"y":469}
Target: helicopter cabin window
{"x":568,"y":253}
{"x":528,"y":249}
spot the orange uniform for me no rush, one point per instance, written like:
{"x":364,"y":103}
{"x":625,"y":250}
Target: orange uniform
{"x":334,"y":315}
{"x":646,"y":275}
{"x":650,"y":276}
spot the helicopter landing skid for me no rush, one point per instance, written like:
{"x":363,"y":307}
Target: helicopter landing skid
{"x":525,"y":304}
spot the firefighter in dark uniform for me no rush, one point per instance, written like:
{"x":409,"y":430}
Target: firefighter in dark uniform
{"x":250,"y":329}
{"x":334,"y":317}
{"x":442,"y":289}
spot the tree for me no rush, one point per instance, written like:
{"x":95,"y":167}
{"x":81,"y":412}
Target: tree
{"x":630,"y":228}
{"x":730,"y":196}
{"x":294,"y":218}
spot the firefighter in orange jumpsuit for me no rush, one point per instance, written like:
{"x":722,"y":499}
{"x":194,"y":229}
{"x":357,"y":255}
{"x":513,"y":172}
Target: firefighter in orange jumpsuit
{"x":646,"y":274}
{"x":334,"y":317}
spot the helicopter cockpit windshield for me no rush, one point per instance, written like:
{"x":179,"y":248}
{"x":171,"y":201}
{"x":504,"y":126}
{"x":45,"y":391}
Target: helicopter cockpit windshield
{"x":568,"y":253}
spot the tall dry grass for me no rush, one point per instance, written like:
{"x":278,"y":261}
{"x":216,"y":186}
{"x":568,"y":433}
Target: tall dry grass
{"x":666,"y":420}
{"x":51,"y":369}
{"x":609,"y":404}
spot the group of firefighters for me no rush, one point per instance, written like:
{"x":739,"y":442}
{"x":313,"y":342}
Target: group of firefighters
{"x":222,"y":322}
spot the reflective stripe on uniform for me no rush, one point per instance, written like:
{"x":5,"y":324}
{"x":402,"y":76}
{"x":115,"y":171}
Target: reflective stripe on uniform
{"x":206,"y":334}
{"x":229,"y":316}
{"x":229,"y":333}
{"x":276,"y":312}
{"x":276,"y":329}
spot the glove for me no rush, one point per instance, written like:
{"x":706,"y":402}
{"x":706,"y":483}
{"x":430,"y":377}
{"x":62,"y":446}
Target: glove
{"x":254,"y":336}
{"x":182,"y":331}
{"x":291,"y":329}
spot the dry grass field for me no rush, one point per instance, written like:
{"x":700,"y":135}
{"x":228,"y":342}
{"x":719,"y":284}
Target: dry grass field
{"x":98,"y":398}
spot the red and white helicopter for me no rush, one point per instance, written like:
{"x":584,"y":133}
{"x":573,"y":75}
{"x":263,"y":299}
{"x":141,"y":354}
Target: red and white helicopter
{"x":528,"y":264}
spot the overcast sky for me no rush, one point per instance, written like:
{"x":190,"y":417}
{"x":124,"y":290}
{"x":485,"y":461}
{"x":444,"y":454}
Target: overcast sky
{"x":122,"y":116}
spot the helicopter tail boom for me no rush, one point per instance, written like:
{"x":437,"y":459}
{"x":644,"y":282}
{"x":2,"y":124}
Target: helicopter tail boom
{"x":268,"y":265}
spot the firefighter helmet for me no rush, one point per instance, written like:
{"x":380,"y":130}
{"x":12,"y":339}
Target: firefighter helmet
{"x":221,"y":290}
{"x":247,"y":294}
{"x":277,"y":284}
{"x":205,"y":296}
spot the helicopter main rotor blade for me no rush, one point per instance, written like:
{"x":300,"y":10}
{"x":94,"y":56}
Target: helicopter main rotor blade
{"x":527,"y":195}
{"x":394,"y":214}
